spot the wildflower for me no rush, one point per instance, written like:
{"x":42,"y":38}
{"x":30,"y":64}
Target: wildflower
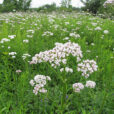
{"x":98,"y":28}
{"x":43,"y":90}
{"x":4,"y":40}
{"x":77,"y":87}
{"x":47,"y":33}
{"x":11,"y":36}
{"x":32,"y":82}
{"x":12,"y":53}
{"x":38,"y":83}
{"x":29,"y":36}
{"x":58,"y":54}
{"x":31,"y":31}
{"x":66,"y":38}
{"x":9,"y":47}
{"x":75,"y":35}
{"x":87,"y":67}
{"x":26,"y":41}
{"x":13,"y":57}
{"x":48,"y":78}
{"x":90,"y":84}
{"x":106,"y":31}
{"x":62,"y":69}
{"x":18,"y":71}
{"x":96,"y":56}
{"x":92,"y":44}
{"x":26,"y":56}
{"x":67,"y":69}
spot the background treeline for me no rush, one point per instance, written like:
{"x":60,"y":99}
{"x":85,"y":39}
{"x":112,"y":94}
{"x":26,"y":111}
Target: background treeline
{"x":52,"y":7}
{"x":15,"y":5}
{"x":93,"y":6}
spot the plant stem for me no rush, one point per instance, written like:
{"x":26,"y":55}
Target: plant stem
{"x":64,"y":91}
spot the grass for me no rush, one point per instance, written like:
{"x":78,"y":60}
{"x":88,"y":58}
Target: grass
{"x":16,"y":96}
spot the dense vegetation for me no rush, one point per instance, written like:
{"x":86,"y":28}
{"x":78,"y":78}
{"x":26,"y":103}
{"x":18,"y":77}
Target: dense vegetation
{"x":22,"y":35}
{"x":15,"y":5}
{"x":95,"y":7}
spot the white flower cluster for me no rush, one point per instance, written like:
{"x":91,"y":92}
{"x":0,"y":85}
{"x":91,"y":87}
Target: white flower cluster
{"x":31,"y":31}
{"x":25,"y":56}
{"x":30,"y":34}
{"x":79,"y":86}
{"x":66,"y":38}
{"x":13,"y":54}
{"x":98,"y":28}
{"x":9,"y":47}
{"x":75,"y":35}
{"x":87,"y":67}
{"x":67,"y":69}
{"x":106,"y":31}
{"x":18,"y":71}
{"x":58,"y":54}
{"x":4,"y":40}
{"x":47,"y":33}
{"x":8,"y":40}
{"x":26,"y":41}
{"x":90,"y":84}
{"x":11,"y":36}
{"x":39,"y":82}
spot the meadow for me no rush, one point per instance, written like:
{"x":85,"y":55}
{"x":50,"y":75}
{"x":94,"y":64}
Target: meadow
{"x":56,"y":63}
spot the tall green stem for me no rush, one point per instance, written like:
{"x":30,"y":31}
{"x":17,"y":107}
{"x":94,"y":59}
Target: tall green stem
{"x":64,"y":92}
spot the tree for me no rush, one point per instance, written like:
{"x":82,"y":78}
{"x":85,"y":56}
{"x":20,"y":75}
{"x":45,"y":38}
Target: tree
{"x":92,"y":5}
{"x":9,"y":5}
{"x":23,"y":4}
{"x":1,"y":8}
{"x":47,"y":8}
{"x":65,"y":3}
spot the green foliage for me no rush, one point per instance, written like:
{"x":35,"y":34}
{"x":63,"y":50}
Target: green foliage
{"x":53,"y":7}
{"x":23,"y":4}
{"x":1,"y":8}
{"x":47,"y":8}
{"x":108,"y":11}
{"x":92,"y":5}
{"x":16,"y":95}
{"x":18,"y":5}
{"x":66,"y":3}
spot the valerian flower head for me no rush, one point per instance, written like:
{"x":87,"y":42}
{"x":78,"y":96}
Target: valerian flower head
{"x":18,"y":71}
{"x":58,"y":54}
{"x":66,"y":69}
{"x":25,"y":41}
{"x":106,"y":31}
{"x":90,"y":84}
{"x":87,"y":67}
{"x":38,"y":83}
{"x":77,"y":87}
